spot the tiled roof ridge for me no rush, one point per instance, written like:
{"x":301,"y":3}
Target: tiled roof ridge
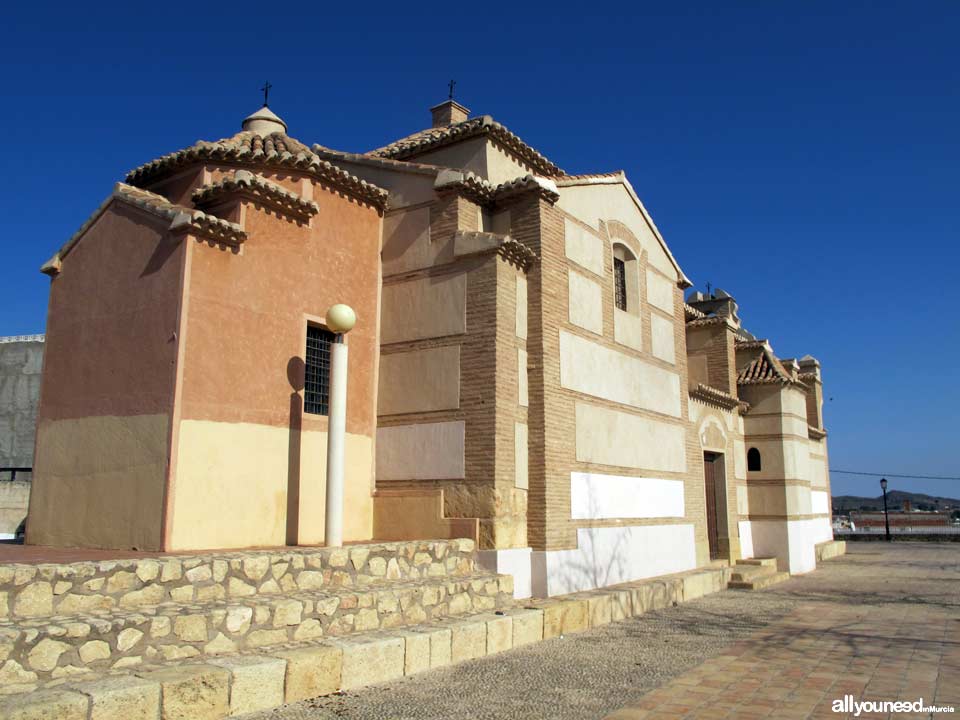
{"x":580,"y":178}
{"x":692,"y":313}
{"x":376,"y":160}
{"x":180,"y":217}
{"x":274,"y":150}
{"x":260,"y":188}
{"x":501,"y":244}
{"x":484,"y":124}
{"x":716,"y":396}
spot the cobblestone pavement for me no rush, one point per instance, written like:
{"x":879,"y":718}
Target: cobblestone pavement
{"x":882,"y":622}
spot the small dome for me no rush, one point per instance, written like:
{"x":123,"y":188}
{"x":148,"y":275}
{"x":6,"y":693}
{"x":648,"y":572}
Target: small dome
{"x":264,"y":122}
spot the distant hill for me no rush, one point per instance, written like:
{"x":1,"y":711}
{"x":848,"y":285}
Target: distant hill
{"x":895,"y":498}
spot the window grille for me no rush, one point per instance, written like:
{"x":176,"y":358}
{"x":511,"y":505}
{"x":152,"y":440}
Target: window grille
{"x":620,"y":283}
{"x":316,"y":388}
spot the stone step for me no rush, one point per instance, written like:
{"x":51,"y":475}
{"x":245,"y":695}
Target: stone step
{"x":746,"y":573}
{"x":758,"y":583}
{"x":255,"y":680}
{"x":46,"y":589}
{"x":60,"y":645}
{"x":768,"y":562}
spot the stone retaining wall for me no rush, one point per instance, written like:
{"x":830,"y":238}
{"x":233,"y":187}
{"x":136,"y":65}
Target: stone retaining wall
{"x":65,"y":589}
{"x":220,"y":687}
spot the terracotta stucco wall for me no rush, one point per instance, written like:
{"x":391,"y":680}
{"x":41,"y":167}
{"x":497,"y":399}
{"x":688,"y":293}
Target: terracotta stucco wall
{"x":107,"y":392}
{"x":242,"y":439}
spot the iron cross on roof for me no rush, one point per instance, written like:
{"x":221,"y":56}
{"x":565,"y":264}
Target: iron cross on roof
{"x":266,"y":92}
{"x":452,"y":84}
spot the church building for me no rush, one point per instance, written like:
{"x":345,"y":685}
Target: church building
{"x":524,"y":370}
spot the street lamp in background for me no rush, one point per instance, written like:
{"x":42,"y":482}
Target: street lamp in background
{"x":886,"y":515}
{"x":340,"y":320}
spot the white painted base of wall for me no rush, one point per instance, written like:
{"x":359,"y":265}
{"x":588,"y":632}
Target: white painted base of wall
{"x":790,"y":541}
{"x":6,"y":536}
{"x":746,"y":540}
{"x":513,"y":561}
{"x":607,"y":556}
{"x":822,"y":530}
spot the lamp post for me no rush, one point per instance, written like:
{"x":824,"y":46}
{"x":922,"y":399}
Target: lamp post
{"x":340,"y":320}
{"x":886,"y":515}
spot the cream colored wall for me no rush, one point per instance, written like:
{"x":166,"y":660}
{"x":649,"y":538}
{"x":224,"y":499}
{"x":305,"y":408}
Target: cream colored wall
{"x":467,"y":155}
{"x":585,"y":304}
{"x":521,"y":320}
{"x":583,"y":248}
{"x":502,"y":166}
{"x":103,"y":482}
{"x":427,"y":451}
{"x":246,"y":468}
{"x":593,"y":369}
{"x":419,"y":381}
{"x":407,"y":245}
{"x":627,"y":329}
{"x":523,"y":394}
{"x":662,"y":338}
{"x":520,"y":441}
{"x":405,"y":188}
{"x":423,"y":308}
{"x":611,"y":437}
{"x":593,"y":203}
{"x":660,"y":291}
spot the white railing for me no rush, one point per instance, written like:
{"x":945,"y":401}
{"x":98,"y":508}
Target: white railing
{"x":22,"y":338}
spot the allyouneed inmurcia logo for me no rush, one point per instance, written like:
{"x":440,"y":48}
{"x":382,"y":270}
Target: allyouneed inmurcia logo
{"x":847,"y":704}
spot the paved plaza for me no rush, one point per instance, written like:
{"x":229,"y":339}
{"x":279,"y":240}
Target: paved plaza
{"x":881,"y":623}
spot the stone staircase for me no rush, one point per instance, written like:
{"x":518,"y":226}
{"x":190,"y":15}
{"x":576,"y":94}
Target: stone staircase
{"x":213,"y":687}
{"x":76,"y":618}
{"x":756,"y":574}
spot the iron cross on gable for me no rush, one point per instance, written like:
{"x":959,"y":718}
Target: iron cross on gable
{"x":266,"y":92}
{"x":452,"y":85}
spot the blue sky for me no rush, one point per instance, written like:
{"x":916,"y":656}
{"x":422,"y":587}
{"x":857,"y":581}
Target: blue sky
{"x":802,"y":156}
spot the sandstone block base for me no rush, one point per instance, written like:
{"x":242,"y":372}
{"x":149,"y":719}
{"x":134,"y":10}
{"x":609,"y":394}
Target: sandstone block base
{"x":369,"y":660}
{"x":311,"y":671}
{"x":258,"y":683}
{"x":126,"y":697}
{"x":44,"y":705}
{"x":468,"y":640}
{"x":192,"y":692}
{"x":527,"y":626}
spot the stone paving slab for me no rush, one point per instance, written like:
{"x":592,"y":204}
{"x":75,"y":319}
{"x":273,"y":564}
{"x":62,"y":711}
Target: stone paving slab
{"x":880,"y":620}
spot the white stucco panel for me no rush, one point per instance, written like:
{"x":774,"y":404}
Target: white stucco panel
{"x":585,"y":302}
{"x":611,"y":437}
{"x":523,"y":394}
{"x":627,"y":329}
{"x":819,"y":502}
{"x":428,"y":451}
{"x":611,"y":555}
{"x":424,"y":308}
{"x":593,"y":369}
{"x":520,"y":455}
{"x":598,"y":497}
{"x":583,"y":247}
{"x":521,"y":307}
{"x":662,"y":338}
{"x":659,"y":291}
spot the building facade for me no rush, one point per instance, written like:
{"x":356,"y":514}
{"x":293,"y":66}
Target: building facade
{"x":525,"y":370}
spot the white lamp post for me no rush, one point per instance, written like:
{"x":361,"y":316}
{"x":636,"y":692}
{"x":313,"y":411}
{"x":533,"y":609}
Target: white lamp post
{"x":340,"y":320}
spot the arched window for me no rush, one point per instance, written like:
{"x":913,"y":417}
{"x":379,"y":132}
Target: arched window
{"x":753,"y":460}
{"x":625,"y":284}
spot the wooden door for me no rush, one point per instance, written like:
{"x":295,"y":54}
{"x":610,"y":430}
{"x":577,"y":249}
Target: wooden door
{"x":710,"y":488}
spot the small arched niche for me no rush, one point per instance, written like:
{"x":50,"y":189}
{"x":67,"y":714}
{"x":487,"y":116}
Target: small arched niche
{"x":754,"y":463}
